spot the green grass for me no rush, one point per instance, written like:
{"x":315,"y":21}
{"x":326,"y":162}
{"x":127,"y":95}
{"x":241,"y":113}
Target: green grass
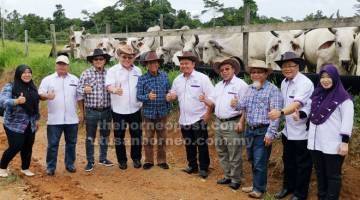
{"x":12,"y":178}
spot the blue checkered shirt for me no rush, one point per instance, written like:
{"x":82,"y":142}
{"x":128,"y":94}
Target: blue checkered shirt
{"x":258,"y":103}
{"x":99,"y":97}
{"x":15,"y":117}
{"x":160,"y":85}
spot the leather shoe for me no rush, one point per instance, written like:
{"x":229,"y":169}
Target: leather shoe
{"x":203,"y":174}
{"x":148,"y":165}
{"x":224,"y":181}
{"x":190,"y":170}
{"x":283,"y":193}
{"x":234,"y":186}
{"x":123,"y":165}
{"x":137,"y":163}
{"x":163,"y":166}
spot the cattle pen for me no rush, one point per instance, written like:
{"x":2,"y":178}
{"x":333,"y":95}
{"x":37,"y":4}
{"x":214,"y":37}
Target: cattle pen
{"x":350,"y":82}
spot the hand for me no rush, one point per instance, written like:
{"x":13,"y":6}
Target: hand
{"x":343,"y":149}
{"x":170,"y":96}
{"x":234,"y":102}
{"x":50,"y":95}
{"x":206,"y":117}
{"x":296,"y":115}
{"x":202,"y":98}
{"x":117,"y":90}
{"x":268,"y":141}
{"x":87,"y":89}
{"x":274,"y":114}
{"x":81,"y":118}
{"x":240,"y":127}
{"x":152,"y":95}
{"x":20,"y":100}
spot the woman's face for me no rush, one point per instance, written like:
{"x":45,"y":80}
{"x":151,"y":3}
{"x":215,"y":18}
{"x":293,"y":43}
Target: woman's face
{"x":26,"y":76}
{"x":326,"y":81}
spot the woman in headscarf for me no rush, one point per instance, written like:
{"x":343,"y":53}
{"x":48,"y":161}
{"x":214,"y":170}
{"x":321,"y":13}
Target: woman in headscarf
{"x":21,"y":101}
{"x":331,"y":122}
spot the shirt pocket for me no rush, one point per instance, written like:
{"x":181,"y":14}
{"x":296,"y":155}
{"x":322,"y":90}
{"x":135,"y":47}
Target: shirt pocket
{"x":195,"y":90}
{"x":262,"y":102}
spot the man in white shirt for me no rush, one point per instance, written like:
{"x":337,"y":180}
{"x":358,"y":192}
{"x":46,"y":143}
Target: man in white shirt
{"x":296,"y":89}
{"x":59,"y":89}
{"x":190,"y":88}
{"x":228,"y":141}
{"x":121,"y":81}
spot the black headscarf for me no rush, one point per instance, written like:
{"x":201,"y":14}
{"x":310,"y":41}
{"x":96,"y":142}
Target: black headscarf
{"x":29,"y":91}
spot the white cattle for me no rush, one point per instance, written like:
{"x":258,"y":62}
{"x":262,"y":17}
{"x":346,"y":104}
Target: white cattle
{"x":87,"y":46}
{"x":356,"y":56}
{"x":76,"y":36}
{"x":332,"y":45}
{"x":281,"y":42}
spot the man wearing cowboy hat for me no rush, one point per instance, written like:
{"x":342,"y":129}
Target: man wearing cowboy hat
{"x":296,"y":89}
{"x":152,"y":88}
{"x":227,"y":141}
{"x":190,"y":88}
{"x":121,"y":81}
{"x":96,"y":100}
{"x":261,"y":97}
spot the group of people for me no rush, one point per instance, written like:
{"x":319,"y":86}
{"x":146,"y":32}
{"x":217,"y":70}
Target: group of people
{"x":318,"y":120}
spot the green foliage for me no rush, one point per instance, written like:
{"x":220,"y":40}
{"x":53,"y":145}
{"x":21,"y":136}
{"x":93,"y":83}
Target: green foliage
{"x":356,"y":100}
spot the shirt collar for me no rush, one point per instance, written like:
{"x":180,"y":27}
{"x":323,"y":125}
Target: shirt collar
{"x":294,"y":79}
{"x":57,"y":75}
{"x":262,"y":87}
{"x":228,"y":82}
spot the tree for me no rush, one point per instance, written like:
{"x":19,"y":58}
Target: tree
{"x":315,"y":16}
{"x":37,"y":27}
{"x":60,"y":20}
{"x":13,"y":26}
{"x":213,"y":6}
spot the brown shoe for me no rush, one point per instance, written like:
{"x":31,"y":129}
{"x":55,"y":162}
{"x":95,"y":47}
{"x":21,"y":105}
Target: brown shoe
{"x":255,"y":195}
{"x":247,"y":189}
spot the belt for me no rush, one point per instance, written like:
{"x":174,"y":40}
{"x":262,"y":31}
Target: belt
{"x":99,"y":109}
{"x":230,"y":119}
{"x":258,"y":126}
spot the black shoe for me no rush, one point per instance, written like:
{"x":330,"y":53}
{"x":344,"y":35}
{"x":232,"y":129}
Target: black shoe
{"x":137,"y":164}
{"x":148,"y":165}
{"x":224,"y":181}
{"x":50,"y":172}
{"x":71,"y":169}
{"x":234,"y":186}
{"x":123,"y":165}
{"x":203,"y":174}
{"x":283,"y":193}
{"x":163,"y":165}
{"x":295,"y":198}
{"x":190,"y":170}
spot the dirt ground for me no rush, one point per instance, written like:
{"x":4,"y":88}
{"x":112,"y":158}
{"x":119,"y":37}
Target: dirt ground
{"x":138,"y":184}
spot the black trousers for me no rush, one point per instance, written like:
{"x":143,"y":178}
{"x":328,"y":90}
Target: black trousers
{"x":328,"y":173}
{"x":196,"y":139}
{"x":297,"y":166}
{"x":18,"y":142}
{"x":121,"y":121}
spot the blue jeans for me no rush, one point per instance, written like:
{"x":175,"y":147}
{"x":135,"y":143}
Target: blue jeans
{"x":94,"y":119}
{"x":53,"y":135}
{"x":258,"y":154}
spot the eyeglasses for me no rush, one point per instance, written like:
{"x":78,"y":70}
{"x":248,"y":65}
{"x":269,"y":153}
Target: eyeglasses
{"x":288,"y":66}
{"x":127,"y":57}
{"x":225,"y":69}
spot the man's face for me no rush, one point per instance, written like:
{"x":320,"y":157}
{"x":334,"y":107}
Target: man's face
{"x":62,"y":68}
{"x":187,"y":66}
{"x":289,"y":69}
{"x":258,"y":74}
{"x":99,"y":62}
{"x":226,"y":71}
{"x":126,"y":60}
{"x":153,"y":66}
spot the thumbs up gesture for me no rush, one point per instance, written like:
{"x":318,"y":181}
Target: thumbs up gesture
{"x":118,"y":90}
{"x":202,"y":97}
{"x":152,"y":95}
{"x":51,"y":94}
{"x":234,"y":102}
{"x":87,"y":89}
{"x":20,"y":100}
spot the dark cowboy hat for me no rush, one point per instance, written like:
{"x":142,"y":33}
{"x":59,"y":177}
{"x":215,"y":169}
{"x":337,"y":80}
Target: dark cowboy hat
{"x":150,"y":56}
{"x":96,"y":53}
{"x":226,"y":60}
{"x":188,"y":55}
{"x":291,"y":56}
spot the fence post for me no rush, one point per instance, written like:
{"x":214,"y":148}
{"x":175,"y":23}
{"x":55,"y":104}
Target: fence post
{"x":246,"y":34}
{"x":108,"y":29}
{"x":161,"y":28}
{"x":2,"y":29}
{"x":53,"y":40}
{"x":26,"y":43}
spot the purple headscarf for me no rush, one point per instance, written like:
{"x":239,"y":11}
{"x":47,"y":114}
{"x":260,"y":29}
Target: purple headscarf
{"x":325,"y":101}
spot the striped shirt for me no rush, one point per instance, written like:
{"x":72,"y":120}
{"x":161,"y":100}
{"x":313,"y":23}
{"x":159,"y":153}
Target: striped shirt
{"x":99,"y":96}
{"x":258,"y":103}
{"x":160,"y":85}
{"x":15,"y":117}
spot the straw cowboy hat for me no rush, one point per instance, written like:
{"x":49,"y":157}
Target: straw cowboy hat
{"x":226,"y":60}
{"x":125,"y":49}
{"x":150,"y":56}
{"x":96,"y":53}
{"x":258,"y":64}
{"x":291,"y":56}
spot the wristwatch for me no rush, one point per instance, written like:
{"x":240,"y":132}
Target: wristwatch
{"x":282,"y":113}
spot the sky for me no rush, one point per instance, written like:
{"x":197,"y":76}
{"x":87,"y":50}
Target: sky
{"x":296,"y":9}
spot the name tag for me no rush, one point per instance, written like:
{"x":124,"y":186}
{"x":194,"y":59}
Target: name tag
{"x":232,"y":93}
{"x":291,"y":97}
{"x":194,"y":85}
{"x":73,"y":85}
{"x":136,"y":75}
